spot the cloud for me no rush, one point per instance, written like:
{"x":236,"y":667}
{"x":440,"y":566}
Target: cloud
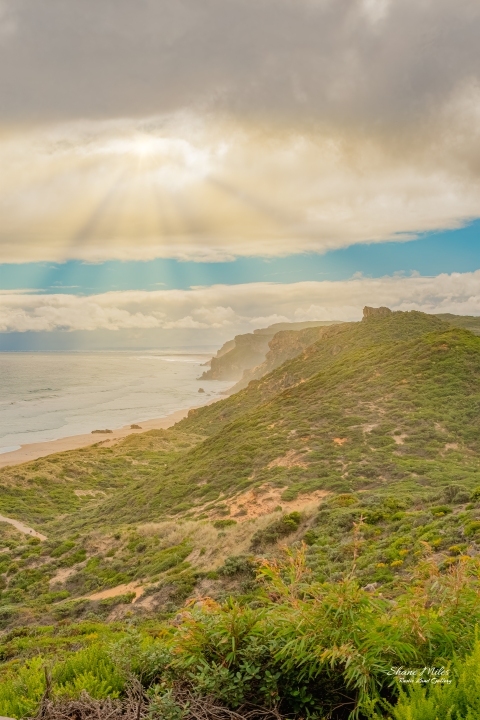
{"x":211,"y":190}
{"x":238,"y":308}
{"x":211,"y":129}
{"x":335,"y":60}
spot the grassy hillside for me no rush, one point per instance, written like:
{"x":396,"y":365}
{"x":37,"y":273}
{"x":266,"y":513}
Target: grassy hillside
{"x":467,"y":322}
{"x":365,"y":448}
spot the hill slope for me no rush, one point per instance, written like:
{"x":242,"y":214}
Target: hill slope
{"x":363,"y":408}
{"x":365,"y":447}
{"x":383,"y":411}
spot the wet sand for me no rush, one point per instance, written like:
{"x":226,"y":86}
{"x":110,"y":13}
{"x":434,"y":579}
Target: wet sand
{"x":34,"y":451}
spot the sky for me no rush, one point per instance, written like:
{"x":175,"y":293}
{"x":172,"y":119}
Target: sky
{"x":175,"y":172}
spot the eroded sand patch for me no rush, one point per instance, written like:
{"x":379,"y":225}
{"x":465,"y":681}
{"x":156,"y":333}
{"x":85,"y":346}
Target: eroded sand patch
{"x":119,"y":590}
{"x":262,"y":501}
{"x":61,"y":576}
{"x":88,"y":493}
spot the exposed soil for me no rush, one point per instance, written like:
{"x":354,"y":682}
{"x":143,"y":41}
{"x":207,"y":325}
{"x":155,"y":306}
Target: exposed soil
{"x":62,"y":576}
{"x":254,"y":503}
{"x":119,"y":590}
{"x":87,"y":493}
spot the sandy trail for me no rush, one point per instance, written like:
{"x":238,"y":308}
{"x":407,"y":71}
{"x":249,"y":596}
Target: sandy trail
{"x":23,"y":528}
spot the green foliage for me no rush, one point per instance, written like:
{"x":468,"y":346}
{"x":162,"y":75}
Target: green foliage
{"x":227,"y":522}
{"x":453,"y":695}
{"x":381,"y":420}
{"x":21,"y":692}
{"x":475,"y":495}
{"x":62,"y":548}
{"x":92,"y":670}
{"x":163,"y":704}
{"x":276,"y":530}
{"x":236,"y":565}
{"x":304,"y":646}
{"x":472,"y":528}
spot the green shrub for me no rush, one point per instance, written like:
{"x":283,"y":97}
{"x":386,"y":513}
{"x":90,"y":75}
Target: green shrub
{"x":220,"y":524}
{"x":62,"y":548}
{"x":472,"y":528}
{"x":73,"y":558}
{"x":92,"y":670}
{"x":22,"y":690}
{"x":237,"y":564}
{"x":310,"y":537}
{"x":454,"y":695}
{"x":344,"y":500}
{"x":475,"y":495}
{"x":456,"y":494}
{"x":441,"y":510}
{"x":277,"y":529}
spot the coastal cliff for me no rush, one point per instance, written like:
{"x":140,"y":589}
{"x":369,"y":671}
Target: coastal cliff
{"x":249,"y":351}
{"x":284,"y":345}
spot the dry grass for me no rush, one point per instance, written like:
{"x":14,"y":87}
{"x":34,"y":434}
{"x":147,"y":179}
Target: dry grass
{"x":137,"y":706}
{"x":212,"y":546}
{"x":292,"y":458}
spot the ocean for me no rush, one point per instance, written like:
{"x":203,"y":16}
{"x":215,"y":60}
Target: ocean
{"x":48,"y":396}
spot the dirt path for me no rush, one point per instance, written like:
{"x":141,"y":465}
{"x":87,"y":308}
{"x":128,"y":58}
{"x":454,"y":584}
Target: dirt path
{"x":23,"y":528}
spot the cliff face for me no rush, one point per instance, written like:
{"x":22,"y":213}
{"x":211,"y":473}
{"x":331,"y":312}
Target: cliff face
{"x":253,"y":355}
{"x":284,"y":345}
{"x":246,"y":355}
{"x":248,"y":350}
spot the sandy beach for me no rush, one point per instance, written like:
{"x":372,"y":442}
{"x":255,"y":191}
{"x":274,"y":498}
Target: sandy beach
{"x":33,"y":451}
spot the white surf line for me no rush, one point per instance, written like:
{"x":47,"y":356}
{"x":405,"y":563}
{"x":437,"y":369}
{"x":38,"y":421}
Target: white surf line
{"x":23,"y":528}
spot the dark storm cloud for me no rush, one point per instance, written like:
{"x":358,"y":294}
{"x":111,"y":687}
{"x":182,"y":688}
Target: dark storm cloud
{"x":349,"y":61}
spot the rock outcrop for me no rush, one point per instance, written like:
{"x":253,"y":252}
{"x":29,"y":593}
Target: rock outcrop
{"x":370,"y":312}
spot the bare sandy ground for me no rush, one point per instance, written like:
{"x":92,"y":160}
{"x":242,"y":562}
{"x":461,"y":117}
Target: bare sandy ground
{"x":34,"y":451}
{"x":119,"y":590}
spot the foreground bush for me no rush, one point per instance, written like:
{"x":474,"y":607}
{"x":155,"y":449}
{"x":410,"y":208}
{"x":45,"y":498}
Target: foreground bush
{"x":301,"y":647}
{"x":456,"y":697}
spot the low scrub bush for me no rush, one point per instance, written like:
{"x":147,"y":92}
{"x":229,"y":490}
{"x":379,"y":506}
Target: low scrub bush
{"x":308,"y":648}
{"x":452,"y":695}
{"x":276,"y":530}
{"x":236,"y":565}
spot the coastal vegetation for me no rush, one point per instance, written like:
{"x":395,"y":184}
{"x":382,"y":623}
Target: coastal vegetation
{"x":282,"y":549}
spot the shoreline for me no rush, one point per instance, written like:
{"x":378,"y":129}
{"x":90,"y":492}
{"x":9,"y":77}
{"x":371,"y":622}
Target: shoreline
{"x":35,"y":451}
